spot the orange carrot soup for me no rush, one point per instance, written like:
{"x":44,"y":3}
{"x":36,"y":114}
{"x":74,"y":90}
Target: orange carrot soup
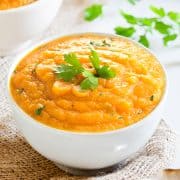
{"x":9,"y":4}
{"x":88,"y":83}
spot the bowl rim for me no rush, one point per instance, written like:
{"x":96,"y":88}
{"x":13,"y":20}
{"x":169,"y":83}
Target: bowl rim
{"x":20,"y":8}
{"x":18,"y":58}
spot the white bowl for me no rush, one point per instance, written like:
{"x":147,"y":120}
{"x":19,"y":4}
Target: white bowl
{"x":85,"y":150}
{"x":24,"y":23}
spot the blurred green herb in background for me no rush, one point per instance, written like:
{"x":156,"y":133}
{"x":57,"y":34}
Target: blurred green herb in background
{"x":167,"y":24}
{"x":133,"y":2}
{"x":125,"y":31}
{"x":150,"y":25}
{"x":93,"y":11}
{"x":174,"y":16}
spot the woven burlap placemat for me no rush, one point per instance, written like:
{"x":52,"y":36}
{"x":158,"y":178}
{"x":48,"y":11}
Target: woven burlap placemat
{"x":19,"y":161}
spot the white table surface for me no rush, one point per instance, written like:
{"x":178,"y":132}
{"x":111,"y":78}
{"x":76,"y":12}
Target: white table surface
{"x":172,"y":113}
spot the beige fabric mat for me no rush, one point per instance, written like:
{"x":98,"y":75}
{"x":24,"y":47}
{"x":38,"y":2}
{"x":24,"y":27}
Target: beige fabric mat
{"x":19,"y":161}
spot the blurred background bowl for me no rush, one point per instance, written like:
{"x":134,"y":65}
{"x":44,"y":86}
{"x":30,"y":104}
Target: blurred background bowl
{"x":19,"y":25}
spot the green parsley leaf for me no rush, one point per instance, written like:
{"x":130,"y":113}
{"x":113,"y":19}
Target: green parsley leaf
{"x":90,"y":82}
{"x":72,"y":59}
{"x":39,"y":110}
{"x":93,"y":11}
{"x":143,"y":40}
{"x":106,"y":73}
{"x":123,"y":31}
{"x":105,"y":43}
{"x":94,"y":58}
{"x":133,"y":2}
{"x":93,"y":43}
{"x":159,"y":11}
{"x":162,"y":28}
{"x":66,"y":72}
{"x":175,"y":16}
{"x":149,"y":24}
{"x":147,"y":21}
{"x":129,"y":18}
{"x":168,"y":38}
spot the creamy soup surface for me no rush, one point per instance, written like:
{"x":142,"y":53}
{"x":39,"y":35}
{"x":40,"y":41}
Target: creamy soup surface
{"x":118,"y":102}
{"x":9,"y":4}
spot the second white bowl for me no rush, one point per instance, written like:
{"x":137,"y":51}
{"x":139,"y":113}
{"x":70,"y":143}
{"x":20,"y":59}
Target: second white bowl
{"x":24,"y":23}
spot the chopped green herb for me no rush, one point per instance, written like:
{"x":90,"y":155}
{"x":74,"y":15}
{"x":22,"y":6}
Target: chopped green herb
{"x":133,"y":2}
{"x":146,"y":21}
{"x":174,"y":16}
{"x":159,"y":11}
{"x":94,"y":43}
{"x":104,"y":71}
{"x":39,"y":110}
{"x":120,"y":117}
{"x":162,"y":27}
{"x":152,"y":98}
{"x":143,"y":40}
{"x":129,"y":18}
{"x":68,"y":72}
{"x":168,"y":38}
{"x":100,"y":94}
{"x":34,"y":69}
{"x":93,"y":11}
{"x":149,"y":25}
{"x":125,"y":31}
{"x":20,"y":91}
{"x":90,"y":82}
{"x":94,"y":58}
{"x":72,"y":59}
{"x":104,"y":43}
{"x":15,"y":71}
